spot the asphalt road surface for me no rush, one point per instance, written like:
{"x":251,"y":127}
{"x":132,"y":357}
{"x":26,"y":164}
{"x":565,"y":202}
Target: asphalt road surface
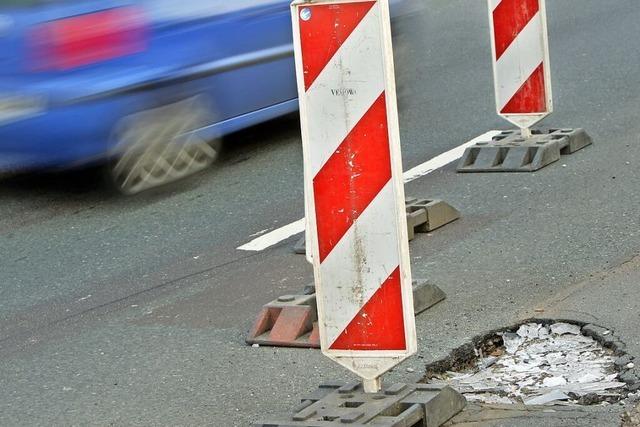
{"x":133,"y":311}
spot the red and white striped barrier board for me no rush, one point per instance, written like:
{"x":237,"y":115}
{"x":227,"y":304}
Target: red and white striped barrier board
{"x":520,"y":60}
{"x":354,"y":186}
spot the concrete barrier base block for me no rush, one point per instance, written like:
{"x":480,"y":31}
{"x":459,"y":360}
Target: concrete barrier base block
{"x":426,"y":295}
{"x":292,"y":320}
{"x":300,"y":247}
{"x":510,"y":152}
{"x":410,"y":405}
{"x":289,"y":321}
{"x":423,"y":216}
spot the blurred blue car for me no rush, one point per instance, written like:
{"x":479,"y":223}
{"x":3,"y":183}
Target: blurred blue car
{"x":142,"y":86}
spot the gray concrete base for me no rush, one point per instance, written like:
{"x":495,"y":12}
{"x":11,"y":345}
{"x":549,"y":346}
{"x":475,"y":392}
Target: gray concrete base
{"x":411,"y":405}
{"x":426,"y":295}
{"x":299,"y":314}
{"x":423,"y":216}
{"x":300,"y":247}
{"x":510,"y":152}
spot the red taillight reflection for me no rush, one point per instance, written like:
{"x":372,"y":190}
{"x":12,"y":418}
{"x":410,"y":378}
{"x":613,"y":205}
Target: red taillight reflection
{"x":87,"y":39}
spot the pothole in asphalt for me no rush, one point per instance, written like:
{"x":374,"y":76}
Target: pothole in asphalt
{"x":540,"y":363}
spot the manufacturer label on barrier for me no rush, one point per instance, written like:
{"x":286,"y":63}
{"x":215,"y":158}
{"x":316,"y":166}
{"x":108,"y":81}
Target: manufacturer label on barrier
{"x":520,"y":60}
{"x":353,"y":182}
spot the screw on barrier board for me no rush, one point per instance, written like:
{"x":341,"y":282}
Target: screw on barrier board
{"x":423,"y":216}
{"x":354,"y":185}
{"x":510,"y":152}
{"x":410,"y":405}
{"x":521,"y":66}
{"x":292,"y":320}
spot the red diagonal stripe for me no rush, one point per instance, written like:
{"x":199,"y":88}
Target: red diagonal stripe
{"x":531,"y":97}
{"x":509,"y":18}
{"x":323,"y":34}
{"x":352,"y":177}
{"x":380,"y":323}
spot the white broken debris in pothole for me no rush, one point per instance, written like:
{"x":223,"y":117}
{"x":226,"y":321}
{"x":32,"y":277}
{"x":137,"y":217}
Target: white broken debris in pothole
{"x":540,"y":365}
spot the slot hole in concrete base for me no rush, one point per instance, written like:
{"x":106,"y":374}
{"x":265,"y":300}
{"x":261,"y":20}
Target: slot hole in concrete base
{"x":352,"y":404}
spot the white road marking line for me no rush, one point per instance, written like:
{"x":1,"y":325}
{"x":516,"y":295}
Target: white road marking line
{"x":260,"y":233}
{"x":445,"y":158}
{"x":274,"y":237}
{"x":279,"y":234}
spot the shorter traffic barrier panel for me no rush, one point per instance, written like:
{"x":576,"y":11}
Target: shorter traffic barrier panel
{"x":509,"y":151}
{"x":523,"y":94}
{"x":423,"y":216}
{"x":415,"y":405}
{"x":292,"y":320}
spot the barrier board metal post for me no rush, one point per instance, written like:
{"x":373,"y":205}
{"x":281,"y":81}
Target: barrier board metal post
{"x":521,"y":61}
{"x":353,"y":179}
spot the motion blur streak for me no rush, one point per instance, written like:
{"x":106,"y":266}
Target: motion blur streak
{"x":142,"y":89}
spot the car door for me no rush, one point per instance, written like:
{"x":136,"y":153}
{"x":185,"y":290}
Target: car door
{"x":240,"y":52}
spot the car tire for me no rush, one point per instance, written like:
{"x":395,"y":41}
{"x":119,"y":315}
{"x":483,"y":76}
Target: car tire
{"x":158,"y":146}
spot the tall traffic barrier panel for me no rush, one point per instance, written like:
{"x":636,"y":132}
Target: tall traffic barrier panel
{"x":523,"y":95}
{"x":357,"y":215}
{"x":356,"y":193}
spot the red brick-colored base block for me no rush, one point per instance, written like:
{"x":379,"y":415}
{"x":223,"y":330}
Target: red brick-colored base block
{"x":292,"y":320}
{"x":289,"y":321}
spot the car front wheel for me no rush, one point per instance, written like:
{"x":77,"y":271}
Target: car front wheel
{"x":159,"y":146}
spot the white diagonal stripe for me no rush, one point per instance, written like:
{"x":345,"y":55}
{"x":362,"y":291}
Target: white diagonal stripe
{"x":360,"y":263}
{"x":520,"y":60}
{"x":345,"y":90}
{"x":494,"y":3}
